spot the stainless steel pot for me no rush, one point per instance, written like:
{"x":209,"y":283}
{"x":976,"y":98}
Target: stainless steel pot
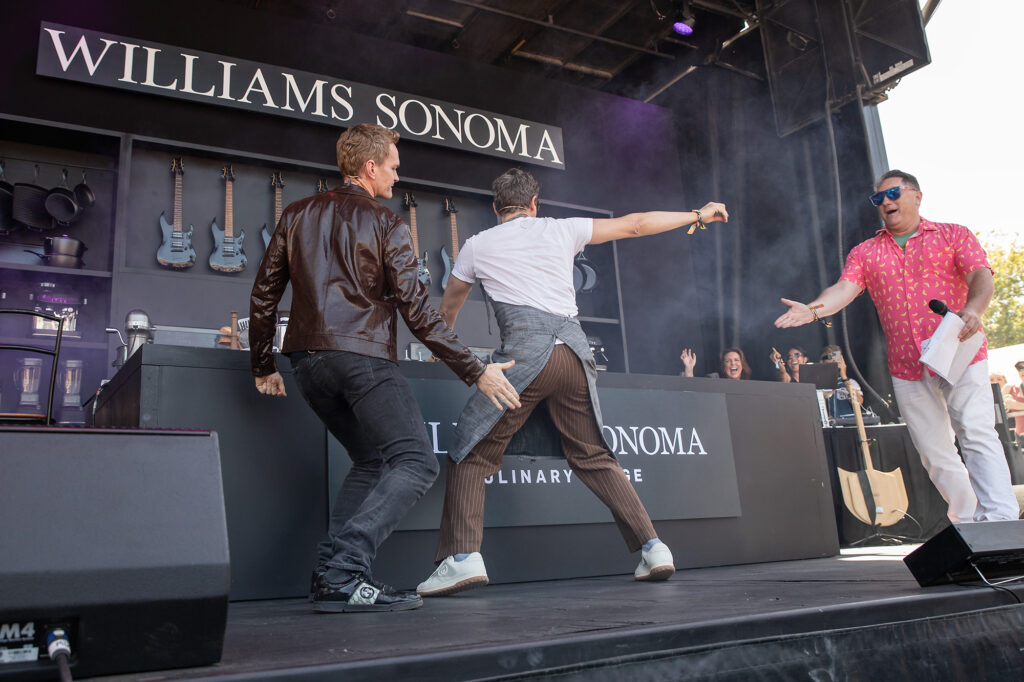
{"x":63,"y":246}
{"x":59,"y":260}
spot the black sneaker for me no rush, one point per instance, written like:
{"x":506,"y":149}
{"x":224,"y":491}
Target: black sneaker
{"x":359,"y":593}
{"x":317,"y":573}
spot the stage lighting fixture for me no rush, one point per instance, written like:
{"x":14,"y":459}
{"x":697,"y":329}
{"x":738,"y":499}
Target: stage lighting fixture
{"x":683,"y":17}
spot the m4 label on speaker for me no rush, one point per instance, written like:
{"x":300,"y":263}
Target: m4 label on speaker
{"x":16,"y":642}
{"x":16,"y":632}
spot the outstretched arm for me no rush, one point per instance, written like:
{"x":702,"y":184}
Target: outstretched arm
{"x":830,"y":301}
{"x":653,"y":222}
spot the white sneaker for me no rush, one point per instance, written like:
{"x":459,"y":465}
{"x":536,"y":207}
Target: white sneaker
{"x":655,"y":564}
{"x":453,"y":576}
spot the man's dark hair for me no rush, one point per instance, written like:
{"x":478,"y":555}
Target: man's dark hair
{"x":513,"y":190}
{"x":906,"y":178}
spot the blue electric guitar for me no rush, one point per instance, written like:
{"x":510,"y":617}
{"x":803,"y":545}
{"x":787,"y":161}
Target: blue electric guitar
{"x":278,"y":184}
{"x":449,"y":261}
{"x":176,"y":250}
{"x":409,"y":203}
{"x":227,"y":255}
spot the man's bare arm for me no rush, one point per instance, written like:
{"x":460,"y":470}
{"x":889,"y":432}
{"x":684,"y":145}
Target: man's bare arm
{"x":829,"y":302}
{"x":455,"y":295}
{"x":653,"y":222}
{"x":980,"y":288}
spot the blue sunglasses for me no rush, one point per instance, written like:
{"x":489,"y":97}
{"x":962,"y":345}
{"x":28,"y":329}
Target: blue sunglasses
{"x":893,"y":193}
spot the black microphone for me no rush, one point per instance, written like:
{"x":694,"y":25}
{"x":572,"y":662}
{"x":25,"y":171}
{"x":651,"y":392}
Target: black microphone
{"x":938,"y":307}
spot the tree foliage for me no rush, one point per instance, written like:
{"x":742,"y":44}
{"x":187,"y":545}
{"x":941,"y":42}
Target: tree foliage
{"x":1004,"y":319}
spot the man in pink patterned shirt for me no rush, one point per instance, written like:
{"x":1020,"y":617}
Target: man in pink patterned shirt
{"x":905,"y":265}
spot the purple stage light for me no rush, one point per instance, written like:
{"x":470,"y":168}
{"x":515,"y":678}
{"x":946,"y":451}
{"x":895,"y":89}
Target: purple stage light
{"x":682,"y":28}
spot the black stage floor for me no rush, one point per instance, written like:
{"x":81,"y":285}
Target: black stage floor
{"x":860,"y":616}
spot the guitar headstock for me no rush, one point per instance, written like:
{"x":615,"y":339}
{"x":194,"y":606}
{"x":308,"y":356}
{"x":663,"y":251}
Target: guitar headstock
{"x":408,"y":201}
{"x":177,"y":167}
{"x":276,"y":181}
{"x":321,"y":185}
{"x":227,"y":173}
{"x":449,"y":206}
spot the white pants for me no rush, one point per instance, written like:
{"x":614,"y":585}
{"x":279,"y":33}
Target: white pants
{"x":981,"y":490}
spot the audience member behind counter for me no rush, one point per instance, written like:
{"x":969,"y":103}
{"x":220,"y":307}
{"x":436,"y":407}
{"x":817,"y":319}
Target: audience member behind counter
{"x":1013,"y":400}
{"x":788,"y":369}
{"x":732,"y":364}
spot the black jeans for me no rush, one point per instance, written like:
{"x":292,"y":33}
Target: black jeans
{"x":368,"y":406}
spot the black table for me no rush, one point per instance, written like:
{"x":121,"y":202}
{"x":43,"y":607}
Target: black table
{"x":733,"y":473}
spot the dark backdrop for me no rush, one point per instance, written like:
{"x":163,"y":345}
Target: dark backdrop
{"x":713,"y":138}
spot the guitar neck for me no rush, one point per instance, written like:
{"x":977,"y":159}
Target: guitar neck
{"x":862,"y":433}
{"x":229,"y":218}
{"x":177,"y":202}
{"x":412,"y":227}
{"x":455,"y":236}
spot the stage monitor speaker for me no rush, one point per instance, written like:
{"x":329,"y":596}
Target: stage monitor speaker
{"x":120,"y":539}
{"x":995,"y":548}
{"x":889,"y":40}
{"x":822,"y":53}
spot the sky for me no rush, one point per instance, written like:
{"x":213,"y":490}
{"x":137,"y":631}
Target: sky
{"x":955,"y":123}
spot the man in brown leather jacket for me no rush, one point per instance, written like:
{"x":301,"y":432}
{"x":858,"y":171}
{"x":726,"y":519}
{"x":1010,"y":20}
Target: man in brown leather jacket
{"x":351,"y":266}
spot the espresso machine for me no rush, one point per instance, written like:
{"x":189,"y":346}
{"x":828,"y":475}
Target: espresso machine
{"x":50,"y":299}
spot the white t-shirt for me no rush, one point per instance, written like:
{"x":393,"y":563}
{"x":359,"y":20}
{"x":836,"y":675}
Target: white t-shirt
{"x":527,"y":261}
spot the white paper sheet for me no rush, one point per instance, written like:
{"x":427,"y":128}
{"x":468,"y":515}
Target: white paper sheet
{"x":945,"y":354}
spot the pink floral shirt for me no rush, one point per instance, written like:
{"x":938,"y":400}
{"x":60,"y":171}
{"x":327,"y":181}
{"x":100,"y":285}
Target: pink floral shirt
{"x":935,"y":264}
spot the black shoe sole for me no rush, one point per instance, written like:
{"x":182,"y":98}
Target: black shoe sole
{"x":345,"y":607}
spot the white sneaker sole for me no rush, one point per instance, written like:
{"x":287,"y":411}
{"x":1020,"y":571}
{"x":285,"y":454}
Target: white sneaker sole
{"x":658,"y":573}
{"x":464,"y":584}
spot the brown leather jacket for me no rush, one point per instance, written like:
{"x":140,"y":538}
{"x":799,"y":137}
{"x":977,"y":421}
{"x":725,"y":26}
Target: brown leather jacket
{"x":351,"y":265}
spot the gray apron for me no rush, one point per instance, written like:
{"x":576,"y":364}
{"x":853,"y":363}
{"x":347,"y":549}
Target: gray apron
{"x":528,"y":337}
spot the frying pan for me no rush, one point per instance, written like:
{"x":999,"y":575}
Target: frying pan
{"x":60,"y":202}
{"x":83,"y":194}
{"x":29,"y":209}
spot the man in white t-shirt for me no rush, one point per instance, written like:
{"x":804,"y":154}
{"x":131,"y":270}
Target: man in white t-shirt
{"x":525,"y":266}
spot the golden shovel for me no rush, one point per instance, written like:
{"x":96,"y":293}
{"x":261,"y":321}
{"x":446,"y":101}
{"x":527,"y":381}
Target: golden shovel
{"x":878,"y":498}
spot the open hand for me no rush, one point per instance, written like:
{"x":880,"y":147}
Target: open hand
{"x":798,"y":314}
{"x":689,"y":359}
{"x":493,"y":384}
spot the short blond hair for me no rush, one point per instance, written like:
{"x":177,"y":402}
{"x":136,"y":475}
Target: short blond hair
{"x":362,"y":143}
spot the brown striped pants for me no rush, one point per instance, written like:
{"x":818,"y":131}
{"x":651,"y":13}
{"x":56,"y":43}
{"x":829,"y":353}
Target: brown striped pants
{"x":563,"y":385}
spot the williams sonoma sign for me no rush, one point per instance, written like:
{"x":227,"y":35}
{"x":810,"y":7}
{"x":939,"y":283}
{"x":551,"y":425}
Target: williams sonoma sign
{"x":141,"y":66}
